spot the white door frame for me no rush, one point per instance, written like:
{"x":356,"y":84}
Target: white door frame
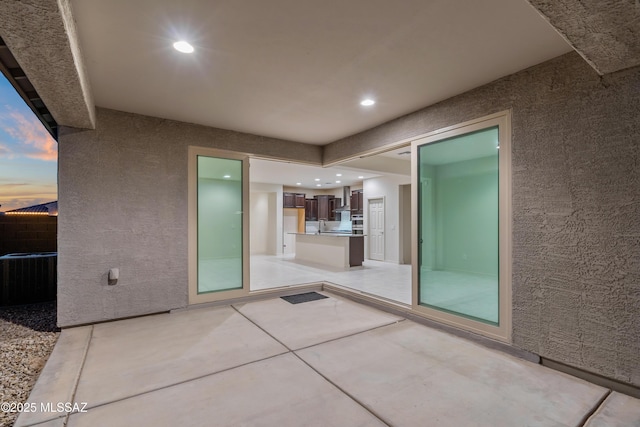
{"x":404,"y":227}
{"x":502,"y":331}
{"x":194,"y":297}
{"x":384,"y":211}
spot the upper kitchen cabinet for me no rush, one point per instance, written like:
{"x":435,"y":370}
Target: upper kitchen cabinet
{"x":334,"y":204}
{"x":311,"y":210}
{"x":293,"y":200}
{"x":357,"y":202}
{"x":288,"y":200}
{"x":327,"y":206}
{"x":323,"y":207}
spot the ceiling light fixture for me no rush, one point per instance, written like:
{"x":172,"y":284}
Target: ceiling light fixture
{"x":367,"y":102}
{"x":183,"y":46}
{"x":318,"y":185}
{"x":317,"y":179}
{"x":338,"y":174}
{"x":298,"y":183}
{"x":338,"y":182}
{"x":360,"y":177}
{"x":227,"y":176}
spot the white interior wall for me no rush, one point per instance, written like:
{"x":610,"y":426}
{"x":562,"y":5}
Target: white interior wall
{"x":405,"y":224}
{"x":259,"y":215}
{"x":387,"y":187}
{"x":266,"y":218}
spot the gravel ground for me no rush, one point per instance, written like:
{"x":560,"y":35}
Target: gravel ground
{"x":27,"y":336}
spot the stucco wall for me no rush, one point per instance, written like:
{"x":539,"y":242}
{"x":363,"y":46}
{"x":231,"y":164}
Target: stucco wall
{"x":576,"y":206}
{"x":123,"y":203}
{"x":42,"y":36}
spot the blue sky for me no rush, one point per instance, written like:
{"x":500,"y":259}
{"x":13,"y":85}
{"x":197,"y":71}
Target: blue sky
{"x":28,"y":154}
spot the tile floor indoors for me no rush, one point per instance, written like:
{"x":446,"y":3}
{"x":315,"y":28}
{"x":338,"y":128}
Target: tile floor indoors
{"x":330,"y":362}
{"x":471,"y":295}
{"x":383,"y":279}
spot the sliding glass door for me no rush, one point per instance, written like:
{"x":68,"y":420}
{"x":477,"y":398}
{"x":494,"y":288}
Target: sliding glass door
{"x":462,"y":198}
{"x":218,"y":225}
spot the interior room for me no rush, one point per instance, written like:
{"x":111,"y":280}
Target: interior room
{"x":276,"y":261}
{"x":458,"y":202}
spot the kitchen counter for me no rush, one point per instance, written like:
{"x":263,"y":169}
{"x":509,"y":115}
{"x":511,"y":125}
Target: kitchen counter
{"x":330,"y":249}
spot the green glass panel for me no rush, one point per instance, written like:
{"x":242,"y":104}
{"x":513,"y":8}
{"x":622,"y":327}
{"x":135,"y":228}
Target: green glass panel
{"x":219,"y":224}
{"x":458,"y":225}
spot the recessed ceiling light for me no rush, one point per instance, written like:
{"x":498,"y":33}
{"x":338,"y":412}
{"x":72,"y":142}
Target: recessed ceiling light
{"x":360,"y":177}
{"x":318,"y":185}
{"x":227,"y":176}
{"x":183,"y":46}
{"x":338,"y":182}
{"x":338,"y":174}
{"x":317,"y":179}
{"x":367,"y":102}
{"x":298,"y":183}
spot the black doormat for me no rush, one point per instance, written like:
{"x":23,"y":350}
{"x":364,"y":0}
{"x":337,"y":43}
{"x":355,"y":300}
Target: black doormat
{"x":306,"y":297}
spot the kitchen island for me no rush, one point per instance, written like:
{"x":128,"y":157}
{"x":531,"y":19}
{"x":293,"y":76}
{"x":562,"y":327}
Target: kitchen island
{"x":330,"y":249}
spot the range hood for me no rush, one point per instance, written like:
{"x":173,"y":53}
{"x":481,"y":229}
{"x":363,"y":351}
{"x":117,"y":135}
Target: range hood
{"x":346,"y":199}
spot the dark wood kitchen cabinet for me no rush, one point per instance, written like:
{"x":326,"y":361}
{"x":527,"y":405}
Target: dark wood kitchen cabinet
{"x":356,"y":251}
{"x":334,"y":204}
{"x":323,"y":207}
{"x":327,"y":206}
{"x":311,"y":210}
{"x":288,"y":200}
{"x":300,"y":200}
{"x":293,"y":200}
{"x":357,"y":202}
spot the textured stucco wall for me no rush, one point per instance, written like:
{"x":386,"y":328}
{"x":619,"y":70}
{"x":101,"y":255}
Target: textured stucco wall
{"x":123,"y":203}
{"x":576,"y":206}
{"x":42,"y":36}
{"x":605,"y":32}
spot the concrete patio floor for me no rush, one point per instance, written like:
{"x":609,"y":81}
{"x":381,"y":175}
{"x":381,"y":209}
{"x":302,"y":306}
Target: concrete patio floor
{"x":331,"y":362}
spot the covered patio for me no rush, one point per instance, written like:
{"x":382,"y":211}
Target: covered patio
{"x":330,"y":361}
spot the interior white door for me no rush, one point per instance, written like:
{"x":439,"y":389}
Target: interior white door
{"x":290,"y":225}
{"x":376,"y":229}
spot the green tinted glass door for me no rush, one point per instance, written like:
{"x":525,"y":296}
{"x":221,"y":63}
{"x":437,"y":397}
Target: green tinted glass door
{"x":219,"y":224}
{"x":458,"y":219}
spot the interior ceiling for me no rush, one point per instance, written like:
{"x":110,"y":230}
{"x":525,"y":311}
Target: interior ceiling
{"x":297,"y":70}
{"x":290,"y":174}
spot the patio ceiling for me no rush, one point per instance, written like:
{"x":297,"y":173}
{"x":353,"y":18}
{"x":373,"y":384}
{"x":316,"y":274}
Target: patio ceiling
{"x":298,"y":70}
{"x":295,"y":70}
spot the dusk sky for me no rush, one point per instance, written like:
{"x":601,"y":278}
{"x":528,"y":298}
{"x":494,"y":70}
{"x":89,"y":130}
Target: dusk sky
{"x":28,"y":154}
